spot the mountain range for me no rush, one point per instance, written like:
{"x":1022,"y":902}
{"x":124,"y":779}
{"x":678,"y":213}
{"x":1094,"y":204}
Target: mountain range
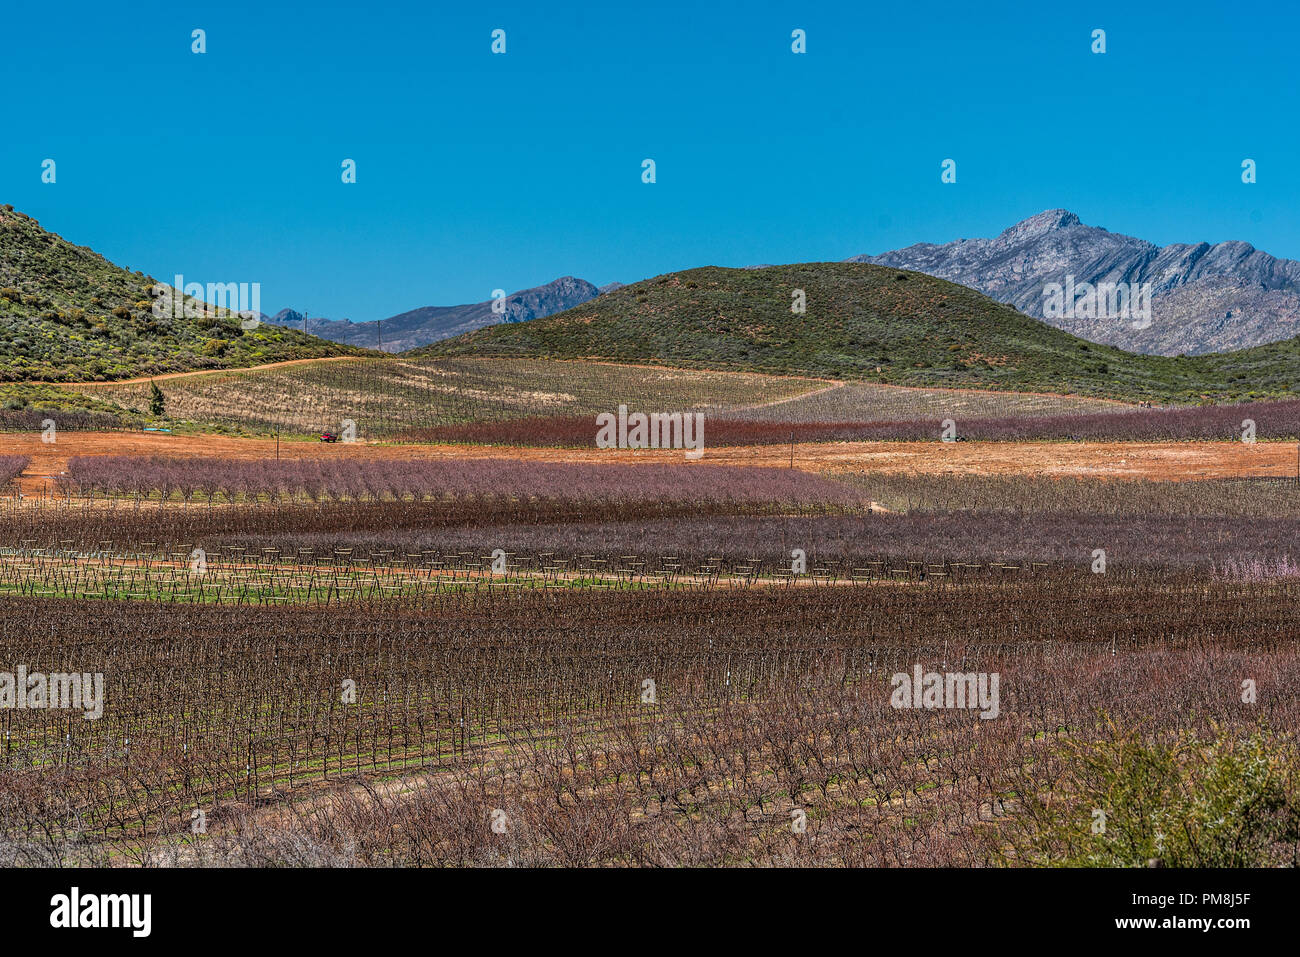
{"x":429,"y":324}
{"x":1198,"y":297}
{"x":1203,"y":298}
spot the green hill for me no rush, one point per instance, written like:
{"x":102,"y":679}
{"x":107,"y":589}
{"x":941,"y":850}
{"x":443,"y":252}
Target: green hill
{"x":67,"y":314}
{"x":873,"y":323}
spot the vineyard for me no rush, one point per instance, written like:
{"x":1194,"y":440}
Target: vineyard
{"x":857,"y":402}
{"x":776,"y":425}
{"x":632,"y":727}
{"x":384,"y":397}
{"x":339,"y":531}
{"x":403,"y":398}
{"x":553,"y":404}
{"x":486,"y":661}
{"x":360,"y":574}
{"x":490,"y":481}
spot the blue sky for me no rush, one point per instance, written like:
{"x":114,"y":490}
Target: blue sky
{"x":477,"y":171}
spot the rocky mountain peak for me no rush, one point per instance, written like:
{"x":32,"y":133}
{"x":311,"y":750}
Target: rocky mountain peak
{"x":1041,"y":224}
{"x":1191,"y":286}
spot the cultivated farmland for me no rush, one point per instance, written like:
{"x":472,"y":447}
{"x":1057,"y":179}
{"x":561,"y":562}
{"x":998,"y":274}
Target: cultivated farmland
{"x":388,"y":398}
{"x":431,"y":661}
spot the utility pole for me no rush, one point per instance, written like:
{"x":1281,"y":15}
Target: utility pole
{"x":379,"y":327}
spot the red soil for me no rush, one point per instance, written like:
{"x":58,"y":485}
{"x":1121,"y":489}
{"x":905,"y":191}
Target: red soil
{"x":1168,"y":461}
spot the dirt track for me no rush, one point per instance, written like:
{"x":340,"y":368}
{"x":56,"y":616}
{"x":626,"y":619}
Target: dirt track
{"x":164,"y":376}
{"x":1134,"y":460}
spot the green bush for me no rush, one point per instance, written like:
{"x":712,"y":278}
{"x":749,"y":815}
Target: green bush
{"x":1129,"y":801}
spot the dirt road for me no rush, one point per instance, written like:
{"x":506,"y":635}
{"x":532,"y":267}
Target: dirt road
{"x":162,"y":377}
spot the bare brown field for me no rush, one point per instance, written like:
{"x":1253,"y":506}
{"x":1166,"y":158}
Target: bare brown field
{"x":1158,"y":461}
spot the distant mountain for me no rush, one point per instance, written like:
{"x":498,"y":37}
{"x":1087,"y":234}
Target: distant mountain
{"x":1203,"y":298}
{"x":285,"y":317}
{"x":67,"y":314}
{"x":870,"y":323}
{"x":428,"y":324}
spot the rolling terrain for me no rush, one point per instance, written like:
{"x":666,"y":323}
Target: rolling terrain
{"x":390,"y":398}
{"x":387,"y":396}
{"x":70,"y":316}
{"x":873,"y":323}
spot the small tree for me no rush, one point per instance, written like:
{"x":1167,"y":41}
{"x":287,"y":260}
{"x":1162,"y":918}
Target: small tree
{"x":157,"y":404}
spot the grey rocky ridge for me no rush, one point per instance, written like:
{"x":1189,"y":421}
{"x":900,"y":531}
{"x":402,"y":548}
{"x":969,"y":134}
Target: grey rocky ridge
{"x":419,"y":327}
{"x":1204,"y":298}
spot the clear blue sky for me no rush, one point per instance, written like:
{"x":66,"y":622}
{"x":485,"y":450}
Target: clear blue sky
{"x":478,"y":171}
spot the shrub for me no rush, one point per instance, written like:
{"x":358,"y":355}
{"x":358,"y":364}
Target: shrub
{"x":1174,"y":802}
